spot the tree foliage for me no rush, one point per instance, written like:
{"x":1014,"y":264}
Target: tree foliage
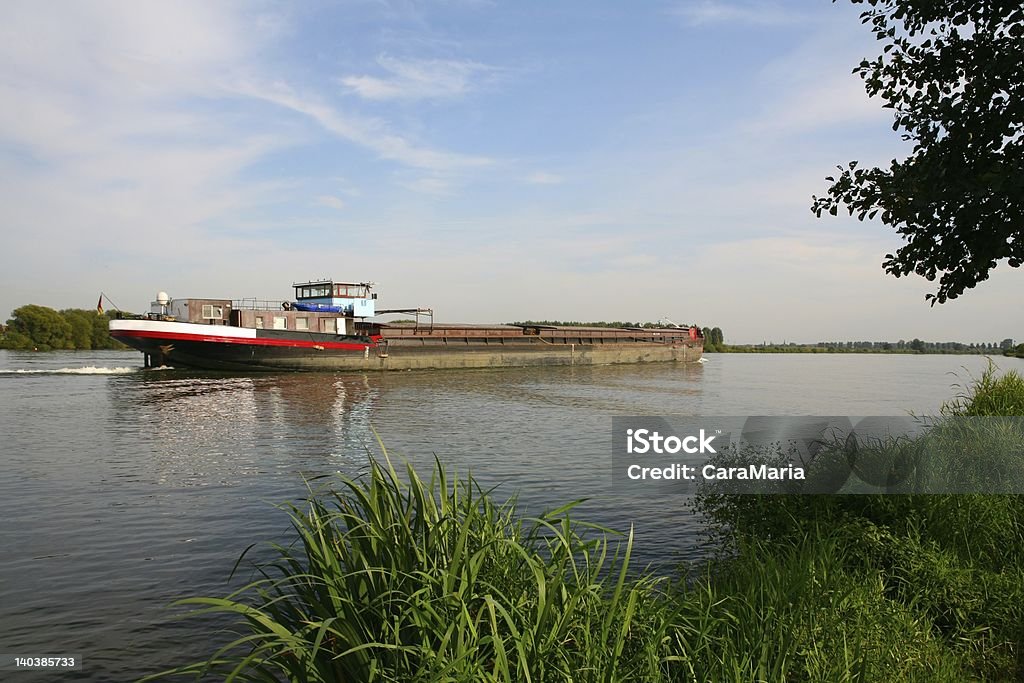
{"x":709,"y":346}
{"x":44,"y":329}
{"x":953,"y":72}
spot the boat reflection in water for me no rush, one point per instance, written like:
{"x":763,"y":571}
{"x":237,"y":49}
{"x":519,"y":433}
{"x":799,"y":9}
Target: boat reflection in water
{"x":218,"y":429}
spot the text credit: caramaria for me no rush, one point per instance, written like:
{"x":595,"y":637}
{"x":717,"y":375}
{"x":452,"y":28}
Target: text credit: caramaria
{"x":715,"y":473}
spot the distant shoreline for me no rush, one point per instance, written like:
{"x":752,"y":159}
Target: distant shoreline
{"x":808,"y":348}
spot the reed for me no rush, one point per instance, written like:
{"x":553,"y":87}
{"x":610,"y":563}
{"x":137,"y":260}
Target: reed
{"x":393,"y":578}
{"x":991,"y":395}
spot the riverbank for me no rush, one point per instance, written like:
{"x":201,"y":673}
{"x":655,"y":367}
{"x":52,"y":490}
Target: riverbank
{"x":394,"y":577}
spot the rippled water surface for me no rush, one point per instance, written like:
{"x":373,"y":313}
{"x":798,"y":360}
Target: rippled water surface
{"x":122,"y":489}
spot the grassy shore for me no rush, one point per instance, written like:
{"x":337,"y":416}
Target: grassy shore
{"x":397,"y":578}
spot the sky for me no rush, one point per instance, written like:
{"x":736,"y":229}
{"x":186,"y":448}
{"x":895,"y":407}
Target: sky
{"x":494,"y":161}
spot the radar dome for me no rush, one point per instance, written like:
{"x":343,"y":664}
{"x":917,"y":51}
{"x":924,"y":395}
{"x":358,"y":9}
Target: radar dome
{"x":162,"y":298}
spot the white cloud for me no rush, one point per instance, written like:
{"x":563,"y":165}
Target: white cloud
{"x":330,"y":202}
{"x":345,"y":187}
{"x":835,"y":101}
{"x":544,"y":178}
{"x":704,"y":12}
{"x":418,"y":79}
{"x":366,"y":132}
{"x":92,"y":97}
{"x":114,"y":45}
{"x":431,"y":185}
{"x":811,"y":86}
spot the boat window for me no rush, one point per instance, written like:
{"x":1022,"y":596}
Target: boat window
{"x":280,"y":323}
{"x":319,"y":291}
{"x":259,"y":322}
{"x":350,"y":291}
{"x":302,"y":323}
{"x":211,"y":311}
{"x":328,"y":325}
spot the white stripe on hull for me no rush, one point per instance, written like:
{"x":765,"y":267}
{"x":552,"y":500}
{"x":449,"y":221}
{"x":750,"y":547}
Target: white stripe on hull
{"x":183,"y":328}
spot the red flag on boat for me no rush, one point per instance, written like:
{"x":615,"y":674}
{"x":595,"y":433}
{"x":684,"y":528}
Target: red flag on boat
{"x":99,"y":305}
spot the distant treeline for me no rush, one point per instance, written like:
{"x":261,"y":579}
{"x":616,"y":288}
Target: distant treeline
{"x":1004,"y":347}
{"x":38,"y":328}
{"x":921,"y":346}
{"x":714,"y":341}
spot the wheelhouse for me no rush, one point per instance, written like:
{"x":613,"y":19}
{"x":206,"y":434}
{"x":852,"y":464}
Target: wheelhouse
{"x":353,"y":298}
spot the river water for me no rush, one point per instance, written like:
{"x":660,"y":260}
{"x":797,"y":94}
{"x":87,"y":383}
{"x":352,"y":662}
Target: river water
{"x":122,"y":489}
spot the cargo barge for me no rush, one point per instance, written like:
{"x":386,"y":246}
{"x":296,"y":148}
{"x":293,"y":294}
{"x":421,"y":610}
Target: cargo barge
{"x":328,"y":326}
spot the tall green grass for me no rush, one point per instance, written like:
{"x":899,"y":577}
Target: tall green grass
{"x":399,"y":579}
{"x":991,"y":395}
{"x":807,"y":610}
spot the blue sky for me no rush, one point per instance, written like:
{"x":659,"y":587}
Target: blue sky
{"x":493,"y":160}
